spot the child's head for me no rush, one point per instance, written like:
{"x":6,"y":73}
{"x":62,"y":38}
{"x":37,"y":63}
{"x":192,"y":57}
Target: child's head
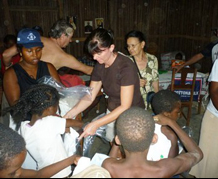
{"x":12,"y":152}
{"x":135,"y":129}
{"x":35,"y":101}
{"x":179,"y":56}
{"x":168,"y":103}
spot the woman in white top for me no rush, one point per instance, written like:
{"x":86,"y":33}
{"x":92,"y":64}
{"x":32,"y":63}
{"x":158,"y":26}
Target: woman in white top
{"x":208,"y":136}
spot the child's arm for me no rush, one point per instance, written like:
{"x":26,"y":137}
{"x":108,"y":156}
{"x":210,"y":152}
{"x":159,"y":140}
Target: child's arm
{"x":50,"y":170}
{"x":74,"y":123}
{"x":174,"y":150}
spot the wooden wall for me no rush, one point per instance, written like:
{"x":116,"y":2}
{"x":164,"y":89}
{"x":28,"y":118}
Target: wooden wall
{"x":169,"y":25}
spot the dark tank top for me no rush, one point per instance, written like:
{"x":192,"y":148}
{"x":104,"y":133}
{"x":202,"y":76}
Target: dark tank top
{"x":25,"y":81}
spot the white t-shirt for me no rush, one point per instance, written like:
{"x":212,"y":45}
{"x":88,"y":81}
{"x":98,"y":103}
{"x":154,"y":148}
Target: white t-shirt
{"x":213,"y":78}
{"x":161,"y":148}
{"x":214,"y":53}
{"x":44,"y":142}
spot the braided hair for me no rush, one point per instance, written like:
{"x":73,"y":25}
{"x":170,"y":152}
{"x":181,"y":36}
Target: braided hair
{"x":34,"y":101}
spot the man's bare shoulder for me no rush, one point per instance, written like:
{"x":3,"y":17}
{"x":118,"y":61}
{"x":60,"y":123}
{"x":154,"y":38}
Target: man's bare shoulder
{"x":48,"y":42}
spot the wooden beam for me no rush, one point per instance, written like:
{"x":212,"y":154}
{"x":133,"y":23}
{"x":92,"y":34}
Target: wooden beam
{"x":32,"y":8}
{"x":157,"y":36}
{"x":8,"y":21}
{"x":61,"y":7}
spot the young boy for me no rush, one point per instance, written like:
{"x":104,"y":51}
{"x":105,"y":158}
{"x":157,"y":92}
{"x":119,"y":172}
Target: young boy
{"x":13,"y":153}
{"x":135,"y":131}
{"x":167,"y":103}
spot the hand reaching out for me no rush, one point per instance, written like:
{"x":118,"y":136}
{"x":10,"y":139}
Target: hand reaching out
{"x":90,"y":129}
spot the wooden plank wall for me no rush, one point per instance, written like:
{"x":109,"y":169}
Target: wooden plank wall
{"x":169,"y":25}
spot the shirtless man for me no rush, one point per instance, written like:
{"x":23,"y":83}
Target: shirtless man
{"x":136,"y":145}
{"x":61,"y":35}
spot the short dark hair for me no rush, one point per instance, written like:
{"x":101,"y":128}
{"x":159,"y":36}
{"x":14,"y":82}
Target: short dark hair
{"x":9,"y":37}
{"x":135,"y":129}
{"x":11,"y":144}
{"x":164,"y":101}
{"x":99,"y":38}
{"x":136,"y":34}
{"x":179,"y":56}
{"x":39,"y":29}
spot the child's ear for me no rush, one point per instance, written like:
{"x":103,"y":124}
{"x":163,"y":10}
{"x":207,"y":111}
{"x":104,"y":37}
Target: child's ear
{"x":155,"y":139}
{"x":167,"y":114}
{"x":117,"y":140}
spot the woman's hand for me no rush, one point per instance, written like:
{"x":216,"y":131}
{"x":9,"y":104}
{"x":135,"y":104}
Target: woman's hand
{"x":143,"y":82}
{"x":90,"y":129}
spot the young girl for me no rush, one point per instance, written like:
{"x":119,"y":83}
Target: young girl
{"x":43,"y":133}
{"x":13,"y":154}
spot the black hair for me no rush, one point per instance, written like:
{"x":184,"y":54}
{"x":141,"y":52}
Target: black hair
{"x":164,"y":101}
{"x":9,"y":37}
{"x":179,"y":56}
{"x":11,"y":144}
{"x":62,"y":26}
{"x":99,"y":38}
{"x":136,"y":34}
{"x":19,"y":48}
{"x":135,"y":129}
{"x":39,"y":29}
{"x":33,"y":101}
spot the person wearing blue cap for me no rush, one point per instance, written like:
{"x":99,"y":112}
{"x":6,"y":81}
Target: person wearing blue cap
{"x":24,"y":74}
{"x":61,"y":35}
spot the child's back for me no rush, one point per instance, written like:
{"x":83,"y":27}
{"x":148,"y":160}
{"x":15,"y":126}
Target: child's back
{"x":136,"y":145}
{"x":161,"y":148}
{"x":44,"y":142}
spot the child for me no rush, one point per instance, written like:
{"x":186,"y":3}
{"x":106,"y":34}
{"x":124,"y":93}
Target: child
{"x":43,"y":133}
{"x":166,"y":145}
{"x":167,"y":103}
{"x":13,"y":152}
{"x":135,"y":131}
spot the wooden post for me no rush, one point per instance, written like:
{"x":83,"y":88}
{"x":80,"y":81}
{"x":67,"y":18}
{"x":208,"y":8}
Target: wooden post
{"x":8,"y":21}
{"x":61,"y":12}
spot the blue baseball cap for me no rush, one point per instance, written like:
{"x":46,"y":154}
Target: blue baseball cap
{"x":29,"y":38}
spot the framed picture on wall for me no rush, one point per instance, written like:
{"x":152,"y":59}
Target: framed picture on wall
{"x":99,"y":23}
{"x":88,"y":27}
